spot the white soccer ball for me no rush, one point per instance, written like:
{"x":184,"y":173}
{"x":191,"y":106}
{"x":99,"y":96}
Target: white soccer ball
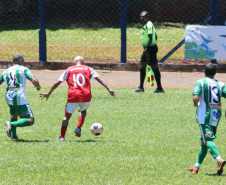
{"x":96,"y":129}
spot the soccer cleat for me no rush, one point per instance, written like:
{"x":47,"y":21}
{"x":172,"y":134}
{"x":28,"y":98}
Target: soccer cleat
{"x":159,"y":91}
{"x":220,"y":166}
{"x":138,"y":90}
{"x":194,"y":170}
{"x":61,"y":138}
{"x":16,"y":138}
{"x":8,"y":128}
{"x":78,"y":132}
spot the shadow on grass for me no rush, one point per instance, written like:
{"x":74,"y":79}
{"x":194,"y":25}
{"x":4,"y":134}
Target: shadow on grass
{"x":83,"y":141}
{"x":214,"y":174}
{"x":31,"y":141}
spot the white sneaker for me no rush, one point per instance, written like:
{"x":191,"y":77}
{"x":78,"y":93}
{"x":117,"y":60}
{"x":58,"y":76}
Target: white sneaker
{"x":61,"y":139}
{"x":8,"y":128}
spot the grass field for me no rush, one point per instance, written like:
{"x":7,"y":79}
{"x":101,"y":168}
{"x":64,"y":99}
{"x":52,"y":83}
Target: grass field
{"x":64,"y":44}
{"x":148,"y":139}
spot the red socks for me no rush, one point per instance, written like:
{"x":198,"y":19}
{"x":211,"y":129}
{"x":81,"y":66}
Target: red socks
{"x":63,"y":131}
{"x":64,"y":128}
{"x":80,"y":122}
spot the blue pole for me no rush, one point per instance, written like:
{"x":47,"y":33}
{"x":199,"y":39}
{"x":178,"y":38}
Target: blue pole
{"x":42,"y":32}
{"x":214,"y":15}
{"x":123,"y":30}
{"x":213,"y":12}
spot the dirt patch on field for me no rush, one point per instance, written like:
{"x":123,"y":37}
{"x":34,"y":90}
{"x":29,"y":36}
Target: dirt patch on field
{"x":128,"y":78}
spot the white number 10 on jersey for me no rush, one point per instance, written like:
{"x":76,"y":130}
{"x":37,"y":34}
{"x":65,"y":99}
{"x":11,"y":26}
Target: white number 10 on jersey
{"x":76,"y":80}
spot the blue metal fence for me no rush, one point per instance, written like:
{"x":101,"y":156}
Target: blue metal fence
{"x":91,"y":17}
{"x":214,"y":15}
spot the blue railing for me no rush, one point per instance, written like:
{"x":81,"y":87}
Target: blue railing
{"x":213,"y":17}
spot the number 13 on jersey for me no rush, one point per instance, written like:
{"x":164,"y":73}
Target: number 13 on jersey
{"x":214,"y":97}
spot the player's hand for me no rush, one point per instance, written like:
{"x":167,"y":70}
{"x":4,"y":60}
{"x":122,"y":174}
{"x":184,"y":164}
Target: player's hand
{"x":44,"y":95}
{"x":38,"y":87}
{"x":36,"y":83}
{"x":113,"y":93}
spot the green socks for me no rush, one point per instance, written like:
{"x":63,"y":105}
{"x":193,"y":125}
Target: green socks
{"x":212,"y":147}
{"x":21,"y":123}
{"x":202,"y":155}
{"x":13,"y":132}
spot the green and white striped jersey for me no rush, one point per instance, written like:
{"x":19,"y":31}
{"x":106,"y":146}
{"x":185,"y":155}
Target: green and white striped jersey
{"x":210,"y":92}
{"x":15,"y":79}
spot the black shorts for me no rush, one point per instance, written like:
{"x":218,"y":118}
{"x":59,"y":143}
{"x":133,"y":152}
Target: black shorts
{"x":151,"y":56}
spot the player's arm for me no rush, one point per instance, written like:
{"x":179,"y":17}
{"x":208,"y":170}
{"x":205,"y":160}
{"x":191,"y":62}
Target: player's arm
{"x":112,"y":92}
{"x":150,"y":34}
{"x":62,"y":78}
{"x":196,"y":100}
{"x":224,"y":91}
{"x":224,"y":95}
{"x":35,"y":82}
{"x":1,"y":79}
{"x":149,"y":40}
{"x":32,"y":78}
{"x":196,"y":93}
{"x":47,"y":95}
{"x":148,"y":46}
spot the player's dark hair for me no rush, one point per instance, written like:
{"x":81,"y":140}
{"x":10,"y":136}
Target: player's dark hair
{"x":210,"y":69}
{"x":18,"y":58}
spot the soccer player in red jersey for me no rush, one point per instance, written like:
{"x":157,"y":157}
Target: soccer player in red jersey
{"x":79,"y":93}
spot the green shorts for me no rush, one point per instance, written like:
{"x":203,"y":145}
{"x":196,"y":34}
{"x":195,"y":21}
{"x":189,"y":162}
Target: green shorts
{"x":24,"y":111}
{"x":208,"y":132}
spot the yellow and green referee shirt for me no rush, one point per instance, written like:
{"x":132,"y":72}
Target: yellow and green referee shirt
{"x":147,"y":29}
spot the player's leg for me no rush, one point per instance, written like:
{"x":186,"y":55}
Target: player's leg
{"x":143,"y":64}
{"x":202,"y":152}
{"x":157,"y":78}
{"x":9,"y":130}
{"x":81,"y":119}
{"x":64,"y":126}
{"x":208,"y":135}
{"x":13,"y":129}
{"x":154,"y":65}
{"x":201,"y":157}
{"x":26,"y":115}
{"x":212,"y":147}
{"x":69,"y":110}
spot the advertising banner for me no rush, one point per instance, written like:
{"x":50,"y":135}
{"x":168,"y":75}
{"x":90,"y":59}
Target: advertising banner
{"x":205,"y":42}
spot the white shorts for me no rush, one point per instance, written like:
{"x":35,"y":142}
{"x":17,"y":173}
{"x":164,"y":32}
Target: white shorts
{"x":72,"y":107}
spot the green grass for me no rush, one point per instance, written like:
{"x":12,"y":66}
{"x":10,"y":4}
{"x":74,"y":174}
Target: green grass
{"x":65,"y":44}
{"x":148,"y":139}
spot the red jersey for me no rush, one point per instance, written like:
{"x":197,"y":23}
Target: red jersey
{"x":78,"y":79}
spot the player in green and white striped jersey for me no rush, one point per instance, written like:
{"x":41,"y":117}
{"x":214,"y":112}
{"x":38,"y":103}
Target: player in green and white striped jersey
{"x":207,"y":95}
{"x":15,"y":79}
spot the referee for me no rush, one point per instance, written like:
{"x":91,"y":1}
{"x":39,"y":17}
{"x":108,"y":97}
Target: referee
{"x":149,"y":55}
